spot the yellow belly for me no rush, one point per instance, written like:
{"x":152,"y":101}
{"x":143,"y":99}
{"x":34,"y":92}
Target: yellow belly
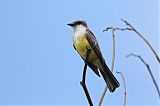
{"x":81,"y":43}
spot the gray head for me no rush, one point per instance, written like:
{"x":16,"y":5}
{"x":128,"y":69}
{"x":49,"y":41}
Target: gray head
{"x":78,"y":23}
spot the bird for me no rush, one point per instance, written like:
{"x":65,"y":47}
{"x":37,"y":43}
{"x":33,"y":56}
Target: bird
{"x":83,"y":40}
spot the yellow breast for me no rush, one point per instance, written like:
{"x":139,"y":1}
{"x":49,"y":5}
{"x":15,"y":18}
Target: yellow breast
{"x":81,"y":43}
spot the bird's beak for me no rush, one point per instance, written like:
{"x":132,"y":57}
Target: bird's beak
{"x":70,"y":24}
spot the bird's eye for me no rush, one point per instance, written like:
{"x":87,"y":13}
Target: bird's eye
{"x":78,"y":22}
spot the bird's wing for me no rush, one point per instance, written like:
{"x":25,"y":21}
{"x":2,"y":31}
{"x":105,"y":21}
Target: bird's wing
{"x":109,"y":78}
{"x":94,"y":44}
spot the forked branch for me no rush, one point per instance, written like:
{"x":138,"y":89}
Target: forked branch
{"x":131,"y":28}
{"x":83,"y":82}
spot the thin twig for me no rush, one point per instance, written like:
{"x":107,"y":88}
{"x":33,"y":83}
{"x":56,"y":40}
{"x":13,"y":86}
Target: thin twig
{"x":83,"y":83}
{"x":113,"y":49}
{"x":149,"y":70}
{"x":102,"y":96}
{"x":124,"y":82}
{"x":145,"y":40}
{"x":113,"y":63}
{"x":121,"y":29}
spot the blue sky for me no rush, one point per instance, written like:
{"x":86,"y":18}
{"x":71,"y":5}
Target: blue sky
{"x":38,"y":65}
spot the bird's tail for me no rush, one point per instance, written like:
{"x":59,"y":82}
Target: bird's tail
{"x":109,"y":78}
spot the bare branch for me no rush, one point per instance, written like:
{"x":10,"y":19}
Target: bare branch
{"x":107,"y":29}
{"x":121,"y":29}
{"x":113,"y":50}
{"x":144,"y":39}
{"x":113,"y":62}
{"x":124,"y":82}
{"x":149,"y":70}
{"x":131,"y":28}
{"x":83,"y":83}
{"x":102,"y":96}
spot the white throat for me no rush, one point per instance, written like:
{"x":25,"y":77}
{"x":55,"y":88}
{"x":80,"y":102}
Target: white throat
{"x":79,"y":28}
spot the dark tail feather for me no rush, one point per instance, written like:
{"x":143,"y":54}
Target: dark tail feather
{"x":109,"y":78}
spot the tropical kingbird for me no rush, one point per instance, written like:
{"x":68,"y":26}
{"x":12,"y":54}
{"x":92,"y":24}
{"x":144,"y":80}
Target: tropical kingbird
{"x":82,"y":40}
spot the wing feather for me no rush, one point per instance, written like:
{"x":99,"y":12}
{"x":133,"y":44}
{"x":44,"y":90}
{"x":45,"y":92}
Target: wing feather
{"x":94,"y":44}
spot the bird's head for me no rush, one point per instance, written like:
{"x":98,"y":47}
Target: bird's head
{"x":78,"y":23}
